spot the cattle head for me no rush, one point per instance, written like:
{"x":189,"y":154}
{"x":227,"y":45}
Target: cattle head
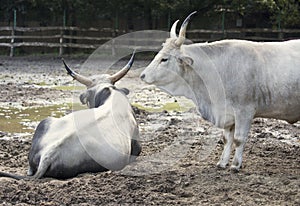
{"x":99,"y":86}
{"x":167,"y":68}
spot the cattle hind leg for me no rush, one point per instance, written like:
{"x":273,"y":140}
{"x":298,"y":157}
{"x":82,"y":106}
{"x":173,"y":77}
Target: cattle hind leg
{"x":228,"y":140}
{"x":30,"y":171}
{"x":45,"y":162}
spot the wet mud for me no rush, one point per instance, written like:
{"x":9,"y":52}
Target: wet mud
{"x":179,"y":152}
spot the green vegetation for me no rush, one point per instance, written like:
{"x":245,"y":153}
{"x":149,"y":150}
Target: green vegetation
{"x":169,"y":106}
{"x":149,"y":14}
{"x":40,"y":83}
{"x":69,"y":88}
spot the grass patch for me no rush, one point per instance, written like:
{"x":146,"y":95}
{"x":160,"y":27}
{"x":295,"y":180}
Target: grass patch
{"x":169,"y":106}
{"x":40,"y":83}
{"x":69,"y":88}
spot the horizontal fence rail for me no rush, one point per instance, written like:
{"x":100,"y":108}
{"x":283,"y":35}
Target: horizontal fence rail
{"x":64,"y":38}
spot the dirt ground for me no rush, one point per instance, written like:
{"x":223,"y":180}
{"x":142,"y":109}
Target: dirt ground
{"x":179,"y":152}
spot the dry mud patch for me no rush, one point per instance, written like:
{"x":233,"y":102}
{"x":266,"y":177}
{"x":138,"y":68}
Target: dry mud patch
{"x":270,"y":174}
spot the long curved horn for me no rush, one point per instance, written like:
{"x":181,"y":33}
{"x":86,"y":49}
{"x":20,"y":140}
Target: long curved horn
{"x":173,"y":30}
{"x":117,"y":76}
{"x":181,"y":38}
{"x":80,"y":78}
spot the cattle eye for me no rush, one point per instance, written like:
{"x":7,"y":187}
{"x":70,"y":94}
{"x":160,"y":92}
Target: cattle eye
{"x":164,"y":60}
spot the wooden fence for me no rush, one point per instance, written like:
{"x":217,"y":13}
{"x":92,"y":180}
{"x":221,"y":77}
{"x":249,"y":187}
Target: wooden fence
{"x":63,"y":38}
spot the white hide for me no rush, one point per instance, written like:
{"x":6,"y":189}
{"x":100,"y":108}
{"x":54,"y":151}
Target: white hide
{"x":101,"y":134}
{"x":232,"y":82}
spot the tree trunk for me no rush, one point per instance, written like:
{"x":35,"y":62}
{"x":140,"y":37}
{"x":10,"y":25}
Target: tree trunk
{"x":148,"y":15}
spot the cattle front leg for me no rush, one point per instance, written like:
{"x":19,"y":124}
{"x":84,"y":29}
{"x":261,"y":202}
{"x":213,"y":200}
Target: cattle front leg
{"x":242,"y":127}
{"x":228,"y":140}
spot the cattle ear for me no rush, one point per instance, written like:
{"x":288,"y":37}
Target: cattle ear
{"x":123,"y":90}
{"x":83,"y":98}
{"x":185,"y":60}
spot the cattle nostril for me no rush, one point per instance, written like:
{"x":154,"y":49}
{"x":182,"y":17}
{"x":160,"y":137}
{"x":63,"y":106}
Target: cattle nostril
{"x":142,"y":76}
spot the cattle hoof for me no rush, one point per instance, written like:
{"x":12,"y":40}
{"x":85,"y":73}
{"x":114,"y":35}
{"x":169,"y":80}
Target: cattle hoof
{"x":234,"y":169}
{"x":221,"y":166}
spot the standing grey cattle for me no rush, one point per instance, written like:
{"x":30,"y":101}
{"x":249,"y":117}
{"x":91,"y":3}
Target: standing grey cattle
{"x":231,"y":82}
{"x":104,"y":137}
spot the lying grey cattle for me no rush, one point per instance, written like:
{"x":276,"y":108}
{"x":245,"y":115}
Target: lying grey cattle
{"x":231,"y":82}
{"x":104,"y":137}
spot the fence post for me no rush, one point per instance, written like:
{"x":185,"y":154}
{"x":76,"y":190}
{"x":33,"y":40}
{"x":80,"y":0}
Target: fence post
{"x":280,"y":35}
{"x":62,"y":32}
{"x":12,"y":41}
{"x":61,"y":41}
{"x":113,"y":48}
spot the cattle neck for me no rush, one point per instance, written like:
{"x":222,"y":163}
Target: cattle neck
{"x":199,"y":94}
{"x":206,"y":81}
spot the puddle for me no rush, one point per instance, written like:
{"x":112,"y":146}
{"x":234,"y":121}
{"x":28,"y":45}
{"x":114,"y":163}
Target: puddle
{"x":24,"y":120}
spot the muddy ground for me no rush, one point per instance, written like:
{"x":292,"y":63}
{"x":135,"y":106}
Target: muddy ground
{"x":177,"y":164}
